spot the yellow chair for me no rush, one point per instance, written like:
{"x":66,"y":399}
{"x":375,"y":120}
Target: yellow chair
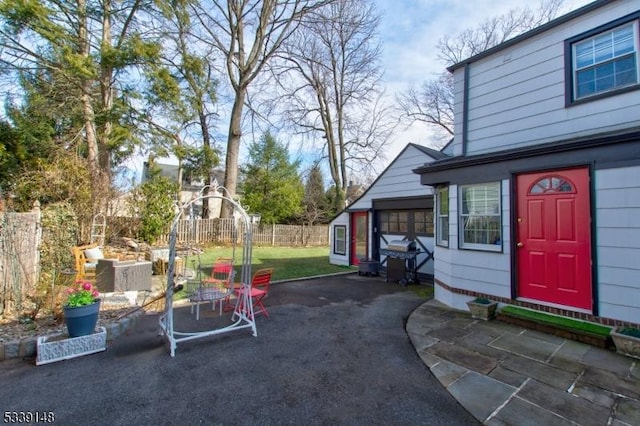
{"x":86,"y":260}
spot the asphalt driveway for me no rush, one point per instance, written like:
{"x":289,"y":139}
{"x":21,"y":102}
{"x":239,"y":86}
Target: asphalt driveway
{"x":334,"y":351}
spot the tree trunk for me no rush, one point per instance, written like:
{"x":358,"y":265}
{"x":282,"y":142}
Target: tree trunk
{"x":233,"y":149}
{"x":209,"y":177}
{"x":106,"y":92}
{"x":88,"y":111}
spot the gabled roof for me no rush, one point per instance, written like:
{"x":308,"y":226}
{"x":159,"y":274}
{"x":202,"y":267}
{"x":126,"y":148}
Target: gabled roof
{"x":435,"y":154}
{"x":529,"y":34}
{"x":448,"y":148}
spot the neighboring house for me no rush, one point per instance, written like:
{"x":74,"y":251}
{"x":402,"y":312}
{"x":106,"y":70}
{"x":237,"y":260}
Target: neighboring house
{"x":540,"y":204}
{"x":394,"y":207}
{"x":120,"y":206}
{"x":354,"y":191}
{"x":191,"y":188}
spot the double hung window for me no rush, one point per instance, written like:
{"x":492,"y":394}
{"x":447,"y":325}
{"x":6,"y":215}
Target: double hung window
{"x":340,"y":239}
{"x":480,"y":224}
{"x":605,"y":62}
{"x":442,"y":225}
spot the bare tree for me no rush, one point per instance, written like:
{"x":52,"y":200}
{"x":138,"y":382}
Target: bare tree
{"x":338,"y":97}
{"x":432,"y":103}
{"x":248,"y":33}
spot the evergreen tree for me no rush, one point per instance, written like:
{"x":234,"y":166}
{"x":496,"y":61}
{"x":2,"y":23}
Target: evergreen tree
{"x":272,"y":186}
{"x":87,"y":51}
{"x":315,"y":202}
{"x":154,"y":205}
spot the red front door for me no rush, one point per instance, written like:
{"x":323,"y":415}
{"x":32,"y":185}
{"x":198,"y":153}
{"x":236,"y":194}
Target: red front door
{"x":358,"y":237}
{"x":553,"y":237}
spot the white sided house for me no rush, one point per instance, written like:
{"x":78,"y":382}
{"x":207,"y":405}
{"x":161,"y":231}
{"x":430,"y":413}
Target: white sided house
{"x":539,"y":206}
{"x":395,"y":207}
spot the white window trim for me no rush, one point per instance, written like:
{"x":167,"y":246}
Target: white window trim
{"x":474,"y":246}
{"x":439,"y":240}
{"x":336,"y":240}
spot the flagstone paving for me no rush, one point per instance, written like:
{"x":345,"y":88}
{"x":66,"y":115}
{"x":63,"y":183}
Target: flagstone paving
{"x":505,"y":374}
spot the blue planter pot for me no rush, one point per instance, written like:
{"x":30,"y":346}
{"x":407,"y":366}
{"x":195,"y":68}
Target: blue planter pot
{"x":81,"y":320}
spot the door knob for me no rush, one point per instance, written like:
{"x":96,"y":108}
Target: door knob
{"x":520,"y":244}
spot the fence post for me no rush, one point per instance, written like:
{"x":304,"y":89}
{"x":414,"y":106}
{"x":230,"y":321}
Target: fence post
{"x":3,"y":259}
{"x":38,"y":239}
{"x":273,"y":235}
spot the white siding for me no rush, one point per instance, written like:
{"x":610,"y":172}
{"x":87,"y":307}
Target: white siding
{"x":618,"y":242}
{"x":398,"y":180}
{"x":458,"y":117}
{"x":516,"y":96}
{"x":443,"y":264}
{"x":339,"y":259}
{"x":474,"y":270}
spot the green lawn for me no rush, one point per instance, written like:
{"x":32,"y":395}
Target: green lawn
{"x":287,"y":262}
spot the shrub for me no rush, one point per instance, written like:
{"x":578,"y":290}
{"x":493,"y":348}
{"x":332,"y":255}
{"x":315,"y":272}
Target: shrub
{"x":154,"y":205}
{"x":59,"y":234}
{"x":631,"y":331}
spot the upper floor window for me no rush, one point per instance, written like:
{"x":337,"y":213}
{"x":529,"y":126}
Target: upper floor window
{"x":605,"y":62}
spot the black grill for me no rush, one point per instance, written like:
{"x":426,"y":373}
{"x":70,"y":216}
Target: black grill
{"x":401,"y":262}
{"x":401,"y":245}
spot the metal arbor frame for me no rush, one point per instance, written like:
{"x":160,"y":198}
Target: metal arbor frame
{"x":243,"y":312}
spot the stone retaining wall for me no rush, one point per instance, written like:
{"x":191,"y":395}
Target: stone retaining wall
{"x":26,"y":347}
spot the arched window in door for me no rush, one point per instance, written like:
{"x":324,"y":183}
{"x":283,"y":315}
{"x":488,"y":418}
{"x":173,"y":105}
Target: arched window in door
{"x":552,"y":185}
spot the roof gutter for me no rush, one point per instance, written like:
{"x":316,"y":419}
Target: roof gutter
{"x":547,"y":148}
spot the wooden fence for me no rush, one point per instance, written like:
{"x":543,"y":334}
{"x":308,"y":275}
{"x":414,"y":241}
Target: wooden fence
{"x":20,"y":235}
{"x":223,"y":231}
